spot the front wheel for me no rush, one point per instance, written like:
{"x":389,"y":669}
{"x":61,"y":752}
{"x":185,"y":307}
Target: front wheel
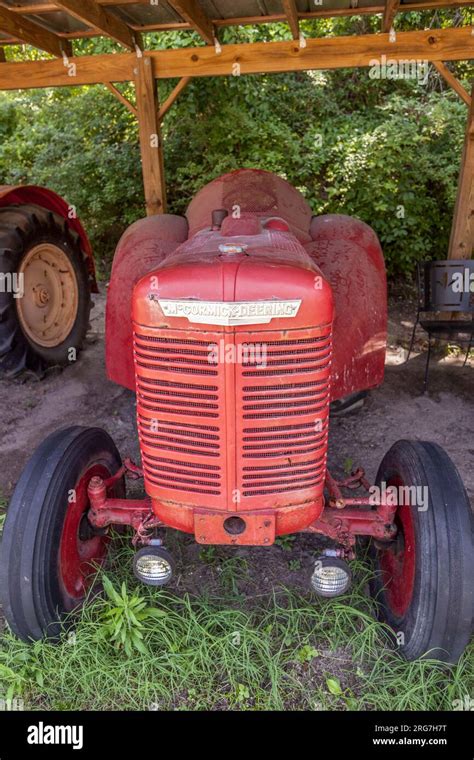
{"x":49,"y":549}
{"x":424,"y":578}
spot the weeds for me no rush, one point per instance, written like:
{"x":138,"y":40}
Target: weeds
{"x":154,"y":649}
{"x":122,"y":622}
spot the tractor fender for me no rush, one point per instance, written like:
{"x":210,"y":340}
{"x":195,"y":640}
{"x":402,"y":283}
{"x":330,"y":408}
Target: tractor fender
{"x":142,"y":247}
{"x":350,"y":257}
{"x":41,"y":196}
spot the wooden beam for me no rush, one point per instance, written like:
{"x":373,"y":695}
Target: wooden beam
{"x":191,"y":12}
{"x":390,"y":11}
{"x":452,"y":81}
{"x":183,"y":82}
{"x":461,"y":242}
{"x":291,"y":13}
{"x":32,"y":34}
{"x":2,"y":55}
{"x":452,"y":44}
{"x":151,"y":147}
{"x":92,"y":14}
{"x":117,"y":94}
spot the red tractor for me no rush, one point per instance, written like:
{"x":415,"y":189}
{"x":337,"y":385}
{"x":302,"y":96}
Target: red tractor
{"x":237,"y":327}
{"x":46,"y":278}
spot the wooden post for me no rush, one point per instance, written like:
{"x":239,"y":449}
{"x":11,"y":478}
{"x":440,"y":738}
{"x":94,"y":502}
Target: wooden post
{"x":151,"y":147}
{"x":461,"y":242}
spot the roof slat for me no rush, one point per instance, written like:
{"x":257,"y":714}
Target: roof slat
{"x":391,"y":10}
{"x":27,"y":31}
{"x":191,"y":12}
{"x":92,"y":14}
{"x":291,"y":12}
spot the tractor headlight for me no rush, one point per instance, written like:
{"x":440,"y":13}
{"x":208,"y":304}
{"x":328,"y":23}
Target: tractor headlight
{"x":331,"y":576}
{"x":153,"y":565}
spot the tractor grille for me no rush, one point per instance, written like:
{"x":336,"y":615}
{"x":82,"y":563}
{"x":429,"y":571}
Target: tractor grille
{"x":179,"y":400}
{"x":242,"y":428}
{"x":282,"y":434}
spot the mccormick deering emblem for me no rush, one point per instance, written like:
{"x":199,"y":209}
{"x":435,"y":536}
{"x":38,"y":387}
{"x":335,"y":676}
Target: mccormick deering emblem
{"x":230,"y":313}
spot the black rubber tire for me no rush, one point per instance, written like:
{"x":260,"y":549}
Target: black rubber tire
{"x":32,"y":595}
{"x":22,"y":228}
{"x":438,"y":620}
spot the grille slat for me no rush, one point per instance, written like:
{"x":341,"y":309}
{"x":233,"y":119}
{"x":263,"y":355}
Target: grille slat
{"x":178,"y":402}
{"x":287,"y":371}
{"x":282,"y":489}
{"x":171,"y":384}
{"x":175,"y":357}
{"x":170,"y":368}
{"x":309,"y":472}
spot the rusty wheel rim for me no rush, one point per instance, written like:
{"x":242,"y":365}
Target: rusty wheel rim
{"x":48,"y":306}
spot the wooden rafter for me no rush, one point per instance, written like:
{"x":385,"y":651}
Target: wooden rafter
{"x":183,"y":82}
{"x":291,"y":13}
{"x":390,"y":11}
{"x":461,"y":242}
{"x":452,"y":44}
{"x":92,"y":14}
{"x":191,"y":12}
{"x":32,"y":34}
{"x":452,"y":81}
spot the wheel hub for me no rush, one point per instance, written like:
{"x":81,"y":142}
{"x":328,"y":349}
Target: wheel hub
{"x":41,"y":296}
{"x":47,"y":310}
{"x":82,"y":547}
{"x":398,"y":563}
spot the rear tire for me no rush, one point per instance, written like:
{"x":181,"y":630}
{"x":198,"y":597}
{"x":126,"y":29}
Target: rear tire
{"x":49,"y":550}
{"x":424,"y":578}
{"x":40,"y":328}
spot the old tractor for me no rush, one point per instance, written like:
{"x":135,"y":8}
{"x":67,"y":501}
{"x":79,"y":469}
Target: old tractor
{"x":46,"y":278}
{"x":237,"y":327}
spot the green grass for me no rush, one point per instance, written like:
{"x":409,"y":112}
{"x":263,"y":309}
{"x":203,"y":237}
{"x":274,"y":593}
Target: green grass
{"x":280,"y":650}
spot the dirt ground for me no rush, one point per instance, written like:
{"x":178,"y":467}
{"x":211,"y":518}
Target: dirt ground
{"x":81,"y":394}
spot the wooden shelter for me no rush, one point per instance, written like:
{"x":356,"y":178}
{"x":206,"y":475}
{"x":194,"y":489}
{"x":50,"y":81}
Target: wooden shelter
{"x":52,"y":26}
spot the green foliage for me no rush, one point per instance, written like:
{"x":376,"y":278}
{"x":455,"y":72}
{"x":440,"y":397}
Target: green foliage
{"x":285,"y":542}
{"x":385,"y":151}
{"x":334,"y":688}
{"x":122,"y":621}
{"x":23,"y":668}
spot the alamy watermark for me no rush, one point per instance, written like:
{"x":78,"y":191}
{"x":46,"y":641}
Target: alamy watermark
{"x":42,"y":733}
{"x":12,"y":282}
{"x":393,"y":496}
{"x":462,"y":282}
{"x":241,"y":353}
{"x":391,"y":68}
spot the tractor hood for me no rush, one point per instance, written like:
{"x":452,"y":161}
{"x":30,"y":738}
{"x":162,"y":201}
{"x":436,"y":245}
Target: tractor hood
{"x":239,"y":280}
